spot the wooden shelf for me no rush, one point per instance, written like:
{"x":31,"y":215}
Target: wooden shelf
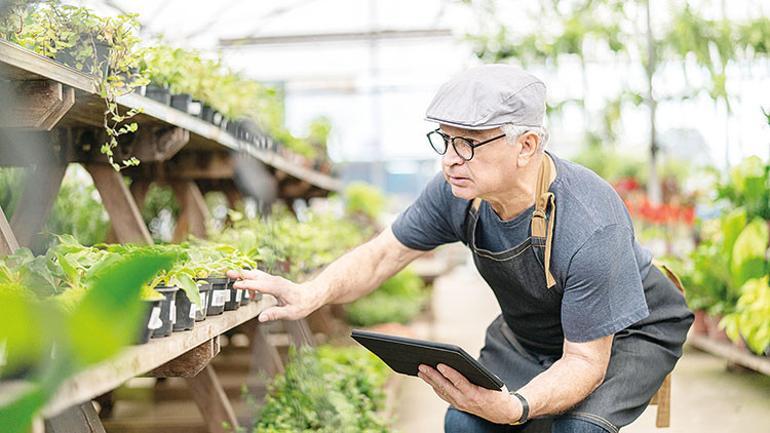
{"x":17,"y":63}
{"x":730,"y":353}
{"x":138,"y":360}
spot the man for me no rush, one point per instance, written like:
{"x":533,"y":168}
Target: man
{"x":589,"y":328}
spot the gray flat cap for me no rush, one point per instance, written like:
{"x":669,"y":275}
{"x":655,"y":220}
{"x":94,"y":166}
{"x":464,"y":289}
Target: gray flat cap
{"x":488,"y":96}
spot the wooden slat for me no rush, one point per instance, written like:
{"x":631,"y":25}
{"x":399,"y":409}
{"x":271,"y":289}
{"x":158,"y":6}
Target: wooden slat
{"x":193,"y":213}
{"x":8,"y":242}
{"x":41,"y":186}
{"x":730,"y":353}
{"x":137,"y":360}
{"x":212,"y":401}
{"x":80,"y":418}
{"x":119,"y":203}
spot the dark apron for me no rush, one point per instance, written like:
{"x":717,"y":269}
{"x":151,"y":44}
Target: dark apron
{"x":530,"y":301}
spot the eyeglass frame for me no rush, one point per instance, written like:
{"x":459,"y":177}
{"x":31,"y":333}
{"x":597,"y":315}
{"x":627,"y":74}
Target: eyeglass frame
{"x":448,"y":138}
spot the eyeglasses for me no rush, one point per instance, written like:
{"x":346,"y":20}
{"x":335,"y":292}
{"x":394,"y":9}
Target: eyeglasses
{"x":464,"y":147}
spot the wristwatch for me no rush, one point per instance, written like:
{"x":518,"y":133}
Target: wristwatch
{"x":524,"y":408}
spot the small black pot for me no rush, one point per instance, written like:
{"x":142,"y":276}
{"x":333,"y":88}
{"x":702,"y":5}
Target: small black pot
{"x":167,"y":311}
{"x":158,"y":93}
{"x":245,"y":297}
{"x":150,"y":321}
{"x":185,"y":313}
{"x":205,"y":290}
{"x":181,"y":102}
{"x":234,"y":299}
{"x":207,"y":113}
{"x":219,"y":295}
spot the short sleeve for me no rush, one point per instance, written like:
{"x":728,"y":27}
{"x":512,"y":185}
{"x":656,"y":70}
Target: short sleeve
{"x":428,"y":222}
{"x":603,"y":291}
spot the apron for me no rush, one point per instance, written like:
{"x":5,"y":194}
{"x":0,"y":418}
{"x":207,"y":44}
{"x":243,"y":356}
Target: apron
{"x":530,"y":302}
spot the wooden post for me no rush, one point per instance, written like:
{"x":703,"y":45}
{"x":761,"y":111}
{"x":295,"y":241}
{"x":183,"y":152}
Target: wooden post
{"x":41,"y":186}
{"x":120,"y":205}
{"x":81,"y":418}
{"x":212,"y":401}
{"x":300,"y":332}
{"x":264,"y":356}
{"x":193,"y":214}
{"x":36,"y":104}
{"x":8,"y":243}
{"x":139,"y":189}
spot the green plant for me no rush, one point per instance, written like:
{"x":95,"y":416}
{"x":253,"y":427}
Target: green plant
{"x":399,"y":299}
{"x":326,"y":390}
{"x":750,"y":318}
{"x":364,"y":199}
{"x":88,"y":333}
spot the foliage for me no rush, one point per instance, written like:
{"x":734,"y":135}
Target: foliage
{"x":399,"y":299}
{"x":750,"y":318}
{"x":83,"y":336}
{"x":78,"y":210}
{"x":326,"y":390}
{"x":364,"y":199}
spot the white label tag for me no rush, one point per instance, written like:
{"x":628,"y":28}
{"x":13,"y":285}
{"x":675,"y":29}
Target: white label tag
{"x":204,"y":300}
{"x":155,"y":321}
{"x":238,"y":294}
{"x":193,"y":310}
{"x":219,"y":298}
{"x":173,"y":312}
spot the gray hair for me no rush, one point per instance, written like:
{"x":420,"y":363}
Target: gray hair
{"x":513,"y":132}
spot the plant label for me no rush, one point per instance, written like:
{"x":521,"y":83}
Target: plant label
{"x":219,"y":297}
{"x":155,"y":321}
{"x":238,"y":294}
{"x":193,"y":310}
{"x":172,"y":313}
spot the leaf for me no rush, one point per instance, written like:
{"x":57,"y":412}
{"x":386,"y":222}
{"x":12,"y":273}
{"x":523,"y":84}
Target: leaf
{"x":108,"y":316}
{"x":748,"y":255}
{"x":186,"y":283}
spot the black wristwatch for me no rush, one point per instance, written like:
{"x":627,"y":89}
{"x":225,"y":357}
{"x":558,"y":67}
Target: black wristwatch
{"x":524,"y":408}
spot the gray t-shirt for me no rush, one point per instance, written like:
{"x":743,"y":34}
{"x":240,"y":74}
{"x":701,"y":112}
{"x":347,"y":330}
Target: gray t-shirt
{"x":596,"y":258}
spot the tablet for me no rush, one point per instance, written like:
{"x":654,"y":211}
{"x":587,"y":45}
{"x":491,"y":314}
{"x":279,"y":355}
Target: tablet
{"x":404,"y":355}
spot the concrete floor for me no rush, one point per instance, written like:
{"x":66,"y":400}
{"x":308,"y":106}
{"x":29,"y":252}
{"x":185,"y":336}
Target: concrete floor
{"x":705,"y":397}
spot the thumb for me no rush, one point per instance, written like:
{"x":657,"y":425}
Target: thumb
{"x":274,"y":313}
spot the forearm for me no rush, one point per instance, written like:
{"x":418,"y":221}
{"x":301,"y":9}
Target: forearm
{"x":363,"y":269}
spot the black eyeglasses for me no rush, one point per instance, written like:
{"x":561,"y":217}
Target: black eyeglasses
{"x":464,"y":147}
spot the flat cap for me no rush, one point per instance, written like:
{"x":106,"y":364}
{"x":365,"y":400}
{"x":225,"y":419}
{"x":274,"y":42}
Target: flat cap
{"x":489,"y":96}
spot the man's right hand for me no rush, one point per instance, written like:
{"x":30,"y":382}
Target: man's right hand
{"x":295,"y":301}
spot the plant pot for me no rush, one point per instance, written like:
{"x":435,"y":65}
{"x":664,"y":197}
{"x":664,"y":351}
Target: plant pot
{"x":167,"y":311}
{"x":195,"y":108}
{"x":98,"y":65}
{"x":716,"y":334}
{"x":181,"y":102}
{"x":699,"y":326}
{"x":207,"y":113}
{"x":234,"y":297}
{"x":150,"y":321}
{"x":219,"y":295}
{"x":140,"y":90}
{"x":205,"y":290}
{"x":157,"y":93}
{"x":185,"y":313}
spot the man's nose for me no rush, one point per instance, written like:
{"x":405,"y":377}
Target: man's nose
{"x":451,"y":157}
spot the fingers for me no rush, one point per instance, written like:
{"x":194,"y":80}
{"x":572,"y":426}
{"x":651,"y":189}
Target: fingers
{"x":443,"y":387}
{"x":271,"y":285}
{"x":239,"y":274}
{"x":275,"y":313}
{"x":457,"y":379}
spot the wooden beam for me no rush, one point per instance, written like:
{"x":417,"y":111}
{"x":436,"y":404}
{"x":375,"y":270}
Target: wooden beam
{"x":152,"y":144}
{"x":81,"y":418}
{"x":139,"y":189}
{"x":194,"y":213}
{"x":191,"y":363}
{"x":296,"y":189}
{"x":41,"y":186}
{"x":8,"y":242}
{"x":212,"y":401}
{"x":120,"y":204}
{"x":36,"y":104}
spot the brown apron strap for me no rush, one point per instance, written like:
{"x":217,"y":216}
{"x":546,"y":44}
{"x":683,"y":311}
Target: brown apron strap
{"x":476,"y":204}
{"x":544,"y":199}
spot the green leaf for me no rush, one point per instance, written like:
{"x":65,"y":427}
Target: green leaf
{"x":748,"y":255}
{"x":108,"y":317}
{"x":186,"y":283}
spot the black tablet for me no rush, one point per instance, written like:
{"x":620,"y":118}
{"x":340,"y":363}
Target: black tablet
{"x":404,"y":355}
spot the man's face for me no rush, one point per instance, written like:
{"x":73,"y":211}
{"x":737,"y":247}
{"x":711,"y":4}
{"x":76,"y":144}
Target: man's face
{"x":490,"y":169}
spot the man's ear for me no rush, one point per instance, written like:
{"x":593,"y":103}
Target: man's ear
{"x":529,"y":142}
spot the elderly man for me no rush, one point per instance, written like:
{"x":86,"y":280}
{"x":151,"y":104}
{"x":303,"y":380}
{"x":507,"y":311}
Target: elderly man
{"x":589,"y":327}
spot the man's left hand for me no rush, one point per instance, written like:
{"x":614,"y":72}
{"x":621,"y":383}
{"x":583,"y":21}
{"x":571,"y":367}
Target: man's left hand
{"x":452,"y":387}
